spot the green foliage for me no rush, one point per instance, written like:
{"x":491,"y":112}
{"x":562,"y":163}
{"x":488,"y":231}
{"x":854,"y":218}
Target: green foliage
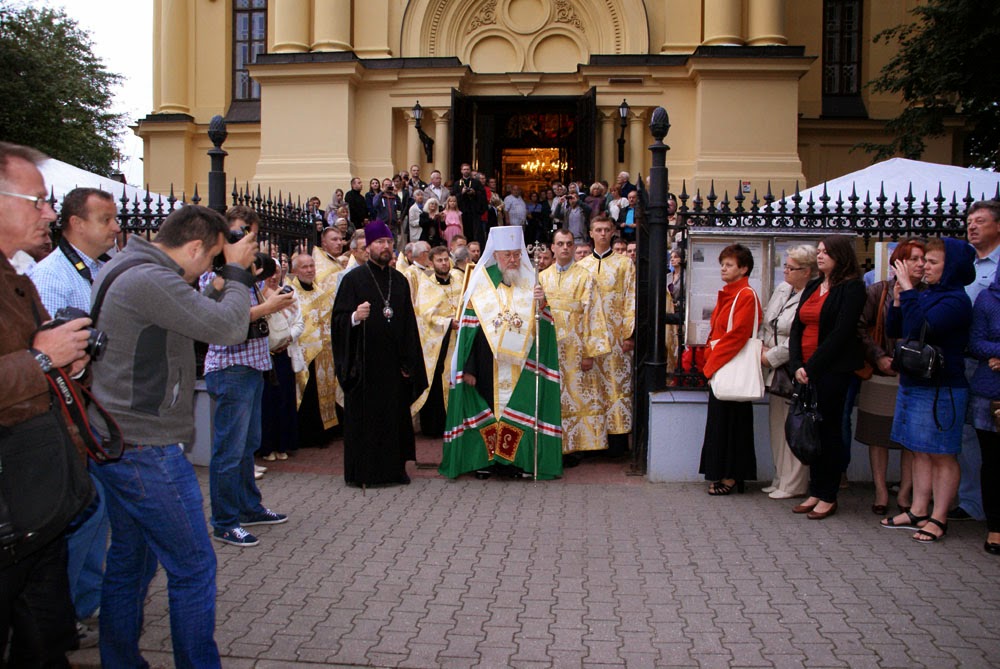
{"x":56,"y":94}
{"x":946,"y":68}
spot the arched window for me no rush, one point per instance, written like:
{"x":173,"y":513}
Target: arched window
{"x":842,"y":35}
{"x":249,"y":39}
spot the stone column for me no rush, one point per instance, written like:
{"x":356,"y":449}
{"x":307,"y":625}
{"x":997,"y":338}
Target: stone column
{"x":442,"y":146}
{"x":636,"y":143}
{"x":290,"y":20}
{"x":331,"y":25}
{"x":173,"y":57}
{"x":723,"y":22}
{"x":766,"y":22}
{"x":682,"y":31}
{"x":608,"y":144}
{"x":371,"y":29}
{"x":414,"y":149}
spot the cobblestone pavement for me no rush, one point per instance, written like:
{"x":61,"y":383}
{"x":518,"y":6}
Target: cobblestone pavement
{"x":595,"y":570}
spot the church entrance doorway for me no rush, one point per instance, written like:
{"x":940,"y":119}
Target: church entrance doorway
{"x":525,"y":141}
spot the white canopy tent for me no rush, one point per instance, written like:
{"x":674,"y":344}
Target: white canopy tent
{"x":896,"y":176}
{"x":60,"y":178}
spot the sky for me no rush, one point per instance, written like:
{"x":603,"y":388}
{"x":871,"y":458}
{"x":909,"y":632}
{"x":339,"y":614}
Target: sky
{"x":122,"y":36}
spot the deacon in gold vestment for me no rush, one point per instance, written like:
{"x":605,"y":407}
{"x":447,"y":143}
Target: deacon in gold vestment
{"x":615,"y":276}
{"x":327,"y":255}
{"x":316,"y":301}
{"x":582,"y":333}
{"x":439,"y":297}
{"x":418,"y":268}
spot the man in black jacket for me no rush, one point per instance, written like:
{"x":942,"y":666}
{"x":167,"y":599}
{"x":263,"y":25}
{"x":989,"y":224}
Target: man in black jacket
{"x":356,"y":204}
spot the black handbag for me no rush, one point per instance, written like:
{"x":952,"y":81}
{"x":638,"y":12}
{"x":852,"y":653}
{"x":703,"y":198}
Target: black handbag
{"x":43,"y":484}
{"x":916,"y":358}
{"x":782,"y":383}
{"x":802,"y":425}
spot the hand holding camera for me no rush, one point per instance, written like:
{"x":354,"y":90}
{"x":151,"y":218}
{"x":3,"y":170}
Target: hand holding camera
{"x":64,"y":342}
{"x":240,"y":250}
{"x":279,"y":300}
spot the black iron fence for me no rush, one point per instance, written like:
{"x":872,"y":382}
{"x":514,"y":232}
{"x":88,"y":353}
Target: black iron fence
{"x":869,"y":217}
{"x":285,"y":224}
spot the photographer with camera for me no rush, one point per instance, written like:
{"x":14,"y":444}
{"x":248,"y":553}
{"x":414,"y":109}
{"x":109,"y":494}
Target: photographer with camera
{"x":234,"y":377}
{"x":143,"y":299}
{"x":89,"y":226}
{"x":36,"y":613}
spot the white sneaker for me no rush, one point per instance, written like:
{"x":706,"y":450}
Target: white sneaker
{"x":768,"y":489}
{"x":781,"y":494}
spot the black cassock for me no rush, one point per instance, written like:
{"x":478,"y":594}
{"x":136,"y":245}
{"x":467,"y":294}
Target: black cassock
{"x":370,"y":360}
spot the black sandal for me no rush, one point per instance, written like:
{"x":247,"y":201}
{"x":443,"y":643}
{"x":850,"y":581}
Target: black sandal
{"x":912,"y":525}
{"x":719,"y":488}
{"x":931,"y":536}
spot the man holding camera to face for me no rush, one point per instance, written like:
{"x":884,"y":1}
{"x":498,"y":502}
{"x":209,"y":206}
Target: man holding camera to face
{"x":235,"y":380}
{"x":144,"y":301}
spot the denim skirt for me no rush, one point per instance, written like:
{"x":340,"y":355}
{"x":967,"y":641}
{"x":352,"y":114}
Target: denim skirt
{"x":930,"y":420}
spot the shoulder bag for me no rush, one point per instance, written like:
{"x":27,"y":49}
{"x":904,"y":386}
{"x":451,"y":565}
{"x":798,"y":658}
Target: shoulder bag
{"x":916,"y":358}
{"x":742,"y":378}
{"x":802,"y":425}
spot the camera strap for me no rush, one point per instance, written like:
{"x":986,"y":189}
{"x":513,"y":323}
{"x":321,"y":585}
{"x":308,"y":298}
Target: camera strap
{"x":77,"y":262}
{"x":71,"y":399}
{"x":108,"y":277}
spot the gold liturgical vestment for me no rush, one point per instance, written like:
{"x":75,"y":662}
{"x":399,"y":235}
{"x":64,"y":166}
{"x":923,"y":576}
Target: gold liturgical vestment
{"x":436,"y":306}
{"x":615,"y":276}
{"x":581,"y":332}
{"x":317,"y":307}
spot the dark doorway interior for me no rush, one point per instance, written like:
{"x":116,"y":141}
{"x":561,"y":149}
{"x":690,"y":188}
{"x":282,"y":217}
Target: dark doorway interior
{"x":503,"y":137}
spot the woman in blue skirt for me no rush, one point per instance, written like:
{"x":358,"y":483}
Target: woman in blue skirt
{"x":930,"y":412}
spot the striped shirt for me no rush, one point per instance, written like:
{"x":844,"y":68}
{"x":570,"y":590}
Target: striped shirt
{"x":253,"y":353}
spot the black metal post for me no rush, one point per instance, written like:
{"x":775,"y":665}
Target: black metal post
{"x":217,"y":174}
{"x":656,"y":214}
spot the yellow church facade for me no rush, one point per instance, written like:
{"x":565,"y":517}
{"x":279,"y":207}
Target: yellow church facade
{"x":316,"y":92}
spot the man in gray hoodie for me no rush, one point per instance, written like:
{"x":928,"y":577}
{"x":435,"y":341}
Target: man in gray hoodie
{"x":145,"y":379}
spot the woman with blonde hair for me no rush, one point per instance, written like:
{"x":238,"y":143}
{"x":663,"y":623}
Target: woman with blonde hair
{"x":791,"y":477}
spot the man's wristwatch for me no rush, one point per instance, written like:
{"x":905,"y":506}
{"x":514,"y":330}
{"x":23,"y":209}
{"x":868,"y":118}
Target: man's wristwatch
{"x":44,"y":361}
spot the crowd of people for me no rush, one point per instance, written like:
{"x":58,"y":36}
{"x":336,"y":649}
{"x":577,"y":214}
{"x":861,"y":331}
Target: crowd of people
{"x":501,"y":325}
{"x":825,"y":332}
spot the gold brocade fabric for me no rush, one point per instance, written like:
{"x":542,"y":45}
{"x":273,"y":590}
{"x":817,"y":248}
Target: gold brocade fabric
{"x":435,"y":307}
{"x":581,"y":332}
{"x":317,"y":306}
{"x":325,"y":265}
{"x":615,"y":276}
{"x":507,"y":315}
{"x":413,"y":274}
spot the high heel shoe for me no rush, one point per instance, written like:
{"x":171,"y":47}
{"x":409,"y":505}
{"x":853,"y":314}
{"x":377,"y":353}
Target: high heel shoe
{"x":719,"y":488}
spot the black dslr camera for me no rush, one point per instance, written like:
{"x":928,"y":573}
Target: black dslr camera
{"x":232,"y":237}
{"x":97,"y":340}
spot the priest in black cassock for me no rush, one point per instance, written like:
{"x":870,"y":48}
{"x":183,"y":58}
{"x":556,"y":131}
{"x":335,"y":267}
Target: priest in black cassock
{"x":379,"y":363}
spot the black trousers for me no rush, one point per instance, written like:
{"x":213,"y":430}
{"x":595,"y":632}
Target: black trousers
{"x":824,"y":474}
{"x":989,"y":445}
{"x":35,"y":605}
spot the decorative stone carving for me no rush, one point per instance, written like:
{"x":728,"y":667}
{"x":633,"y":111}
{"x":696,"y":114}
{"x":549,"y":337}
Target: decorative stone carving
{"x":486,"y":16}
{"x":566,"y":14}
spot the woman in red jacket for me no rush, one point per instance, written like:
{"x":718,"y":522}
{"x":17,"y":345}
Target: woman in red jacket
{"x":727,"y":454}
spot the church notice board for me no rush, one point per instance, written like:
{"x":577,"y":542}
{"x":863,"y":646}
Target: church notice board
{"x":704,"y":282}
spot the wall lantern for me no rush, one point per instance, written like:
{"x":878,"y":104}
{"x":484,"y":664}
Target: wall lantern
{"x":425,"y":139}
{"x":623,"y":117}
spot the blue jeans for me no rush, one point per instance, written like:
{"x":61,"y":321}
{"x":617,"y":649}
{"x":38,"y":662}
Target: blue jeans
{"x":87,"y":543}
{"x":237,"y":392}
{"x":155,"y":507}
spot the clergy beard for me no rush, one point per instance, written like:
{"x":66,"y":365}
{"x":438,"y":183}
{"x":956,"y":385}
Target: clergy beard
{"x":511,"y":277}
